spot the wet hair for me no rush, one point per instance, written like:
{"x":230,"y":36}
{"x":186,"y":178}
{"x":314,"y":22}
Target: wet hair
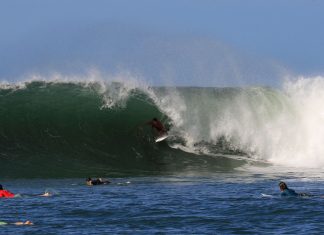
{"x":283,"y":185}
{"x":1,"y":188}
{"x":89,"y":179}
{"x":154,"y":119}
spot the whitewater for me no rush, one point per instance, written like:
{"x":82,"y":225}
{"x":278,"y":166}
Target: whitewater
{"x":75,"y":127}
{"x":216,"y":173}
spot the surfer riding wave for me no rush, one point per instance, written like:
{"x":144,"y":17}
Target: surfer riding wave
{"x":158,"y":126}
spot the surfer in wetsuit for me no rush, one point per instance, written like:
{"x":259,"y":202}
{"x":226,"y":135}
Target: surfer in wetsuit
{"x":5,"y":193}
{"x":287,"y":192}
{"x":158,"y":126}
{"x":99,"y":181}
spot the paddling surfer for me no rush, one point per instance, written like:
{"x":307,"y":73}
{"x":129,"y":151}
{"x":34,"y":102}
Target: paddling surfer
{"x":27,"y":222}
{"x":98,"y":181}
{"x":287,"y":192}
{"x":5,"y":193}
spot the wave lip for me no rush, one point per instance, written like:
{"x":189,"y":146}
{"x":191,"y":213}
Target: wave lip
{"x":75,"y":128}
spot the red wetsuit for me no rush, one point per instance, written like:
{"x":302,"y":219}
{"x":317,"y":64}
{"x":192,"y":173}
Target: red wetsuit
{"x":158,"y":126}
{"x":6,"y":193}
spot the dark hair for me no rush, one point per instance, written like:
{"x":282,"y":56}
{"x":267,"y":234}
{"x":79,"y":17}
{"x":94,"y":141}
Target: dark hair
{"x":1,"y":188}
{"x":154,"y":119}
{"x":283,"y":184}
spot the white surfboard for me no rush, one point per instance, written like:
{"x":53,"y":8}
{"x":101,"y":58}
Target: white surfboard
{"x":160,"y":138}
{"x":266,"y":195}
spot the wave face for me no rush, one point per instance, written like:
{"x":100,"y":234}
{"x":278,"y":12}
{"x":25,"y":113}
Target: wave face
{"x":78,"y":129}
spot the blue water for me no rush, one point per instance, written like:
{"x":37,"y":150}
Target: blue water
{"x":220,"y":203}
{"x":208,"y":177}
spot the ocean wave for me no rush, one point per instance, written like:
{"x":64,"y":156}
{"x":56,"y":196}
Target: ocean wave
{"x":76,"y":128}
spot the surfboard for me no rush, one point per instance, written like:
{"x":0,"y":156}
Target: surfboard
{"x":266,"y":195}
{"x":160,"y":138}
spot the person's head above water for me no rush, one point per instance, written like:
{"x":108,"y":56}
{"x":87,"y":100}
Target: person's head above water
{"x":1,"y":188}
{"x":282,"y":186}
{"x":155,"y":119}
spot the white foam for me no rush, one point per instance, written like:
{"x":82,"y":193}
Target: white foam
{"x":282,"y":127}
{"x":299,"y":138}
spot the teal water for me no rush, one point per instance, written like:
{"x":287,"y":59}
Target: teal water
{"x":226,"y":148}
{"x":64,"y":130}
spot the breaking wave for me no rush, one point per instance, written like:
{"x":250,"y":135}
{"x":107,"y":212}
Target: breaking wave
{"x":80,"y":128}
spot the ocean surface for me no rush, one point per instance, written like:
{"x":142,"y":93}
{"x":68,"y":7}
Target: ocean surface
{"x":216,"y":173}
{"x":223,"y":203}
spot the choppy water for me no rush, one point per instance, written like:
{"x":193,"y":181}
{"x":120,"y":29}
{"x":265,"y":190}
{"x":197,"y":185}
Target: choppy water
{"x":223,"y":203}
{"x":227,"y":147}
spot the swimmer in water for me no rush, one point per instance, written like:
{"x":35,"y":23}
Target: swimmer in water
{"x":99,"y":181}
{"x":5,"y":193}
{"x":27,"y":222}
{"x":287,"y":192}
{"x":24,"y":223}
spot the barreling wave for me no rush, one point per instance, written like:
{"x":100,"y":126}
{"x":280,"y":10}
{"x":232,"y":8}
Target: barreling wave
{"x":78,"y":129}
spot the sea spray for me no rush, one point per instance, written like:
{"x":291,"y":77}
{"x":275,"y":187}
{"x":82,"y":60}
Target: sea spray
{"x":279,"y":126}
{"x":63,"y":128}
{"x":303,"y":133}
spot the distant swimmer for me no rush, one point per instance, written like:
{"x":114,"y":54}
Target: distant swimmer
{"x":98,"y":181}
{"x":46,"y":194}
{"x":287,"y":192}
{"x":5,"y":193}
{"x":18,"y":223}
{"x":24,"y":223}
{"x":158,"y":126}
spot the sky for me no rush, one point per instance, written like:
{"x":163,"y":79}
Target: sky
{"x":165,"y":42}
